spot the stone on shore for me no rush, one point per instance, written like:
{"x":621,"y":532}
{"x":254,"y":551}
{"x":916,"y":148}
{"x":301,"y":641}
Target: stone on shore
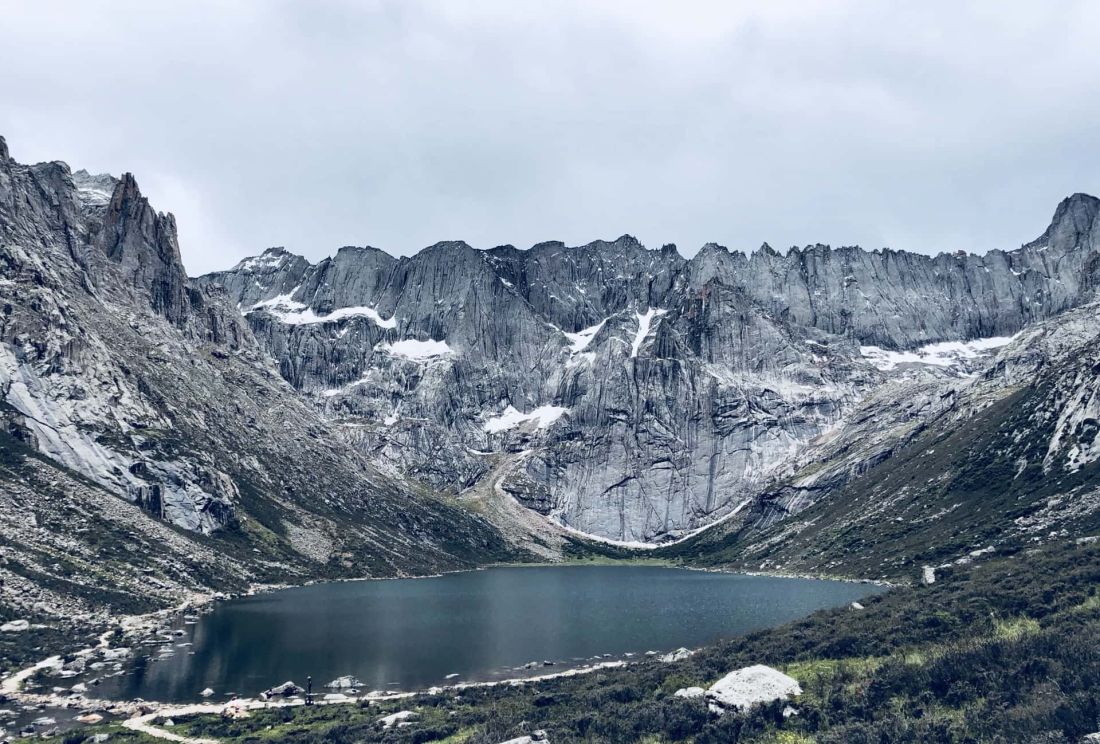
{"x":744,"y":688}
{"x":678,"y":655}
{"x":286,"y":689}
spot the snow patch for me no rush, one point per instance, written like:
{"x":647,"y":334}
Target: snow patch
{"x":582,"y":338}
{"x":266,"y":260}
{"x":94,"y":190}
{"x":415,"y":350}
{"x":290,"y":312}
{"x":545,"y":416}
{"x":645,"y":320}
{"x":942,"y":354}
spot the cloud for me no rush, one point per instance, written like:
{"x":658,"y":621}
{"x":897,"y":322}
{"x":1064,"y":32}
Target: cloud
{"x":931,"y":126}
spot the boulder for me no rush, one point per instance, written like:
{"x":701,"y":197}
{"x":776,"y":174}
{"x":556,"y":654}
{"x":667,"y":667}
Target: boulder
{"x":690,"y":692}
{"x":286,"y":689}
{"x":15,"y":626}
{"x":678,"y":655}
{"x":207,"y":692}
{"x":744,"y":688}
{"x":336,"y":697}
{"x":398,"y":717}
{"x":535,"y":737}
{"x":344,"y":683}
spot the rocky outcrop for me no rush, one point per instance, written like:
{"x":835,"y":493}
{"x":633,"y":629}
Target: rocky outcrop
{"x":636,"y":395}
{"x":121,"y":379}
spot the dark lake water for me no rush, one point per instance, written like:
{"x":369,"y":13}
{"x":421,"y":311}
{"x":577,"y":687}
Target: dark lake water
{"x":482,"y":625}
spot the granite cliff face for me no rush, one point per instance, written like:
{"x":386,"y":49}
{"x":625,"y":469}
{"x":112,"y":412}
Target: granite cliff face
{"x":630,"y":393}
{"x":938,"y":471}
{"x":137,"y":408}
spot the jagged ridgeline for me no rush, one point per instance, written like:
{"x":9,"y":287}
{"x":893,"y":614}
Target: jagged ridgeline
{"x":148,"y":444}
{"x":314,"y":415}
{"x":631,"y":393}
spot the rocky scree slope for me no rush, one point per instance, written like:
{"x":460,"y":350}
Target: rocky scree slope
{"x":139,"y":411}
{"x":630,"y":393}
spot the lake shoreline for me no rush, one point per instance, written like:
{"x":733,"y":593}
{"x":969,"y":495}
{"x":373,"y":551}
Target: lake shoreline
{"x":152,"y":627}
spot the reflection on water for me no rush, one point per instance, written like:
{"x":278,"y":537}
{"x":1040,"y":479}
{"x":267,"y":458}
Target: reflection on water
{"x":413,"y":633}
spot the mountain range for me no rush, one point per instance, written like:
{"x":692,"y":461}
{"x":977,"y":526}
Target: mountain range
{"x":629,"y":393}
{"x":825,"y":410}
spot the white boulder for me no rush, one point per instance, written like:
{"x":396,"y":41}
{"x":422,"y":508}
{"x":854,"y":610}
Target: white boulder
{"x":690,"y":692}
{"x":678,"y":655}
{"x":536,"y":737}
{"x":15,"y":626}
{"x":344,"y":683}
{"x":744,"y":688}
{"x":207,"y":692}
{"x":398,"y":717}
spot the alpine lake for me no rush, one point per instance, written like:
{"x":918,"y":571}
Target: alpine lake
{"x":478,"y":626}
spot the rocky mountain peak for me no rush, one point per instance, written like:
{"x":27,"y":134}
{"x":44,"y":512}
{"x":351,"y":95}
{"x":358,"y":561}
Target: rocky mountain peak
{"x":627,"y":241}
{"x":4,"y":149}
{"x":1074,"y":225}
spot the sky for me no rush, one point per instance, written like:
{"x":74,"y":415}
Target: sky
{"x":925,"y":126}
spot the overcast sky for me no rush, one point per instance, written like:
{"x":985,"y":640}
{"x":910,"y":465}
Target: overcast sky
{"x":926,"y":126}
